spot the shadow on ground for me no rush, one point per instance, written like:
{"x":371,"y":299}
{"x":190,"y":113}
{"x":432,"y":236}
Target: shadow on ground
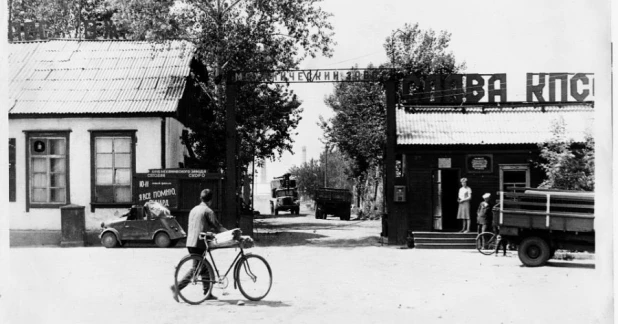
{"x":249,"y":303}
{"x":281,"y":239}
{"x":286,"y":215}
{"x":308,"y":225}
{"x":567,"y":264}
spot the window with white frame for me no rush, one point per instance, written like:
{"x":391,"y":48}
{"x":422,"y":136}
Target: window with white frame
{"x":514,"y":176}
{"x":47,"y":169}
{"x":113,"y":162}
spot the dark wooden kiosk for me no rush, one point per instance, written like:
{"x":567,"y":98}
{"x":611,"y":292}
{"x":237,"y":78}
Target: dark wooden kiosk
{"x":437,"y":137}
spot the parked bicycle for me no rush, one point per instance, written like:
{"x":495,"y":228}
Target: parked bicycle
{"x":487,"y":243}
{"x":195,"y":276}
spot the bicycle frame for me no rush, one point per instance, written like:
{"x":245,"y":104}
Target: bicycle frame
{"x":214,"y":265}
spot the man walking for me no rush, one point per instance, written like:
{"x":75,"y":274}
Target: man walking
{"x":201,"y":219}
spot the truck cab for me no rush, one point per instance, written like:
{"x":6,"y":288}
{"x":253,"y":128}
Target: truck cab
{"x":284,"y":195}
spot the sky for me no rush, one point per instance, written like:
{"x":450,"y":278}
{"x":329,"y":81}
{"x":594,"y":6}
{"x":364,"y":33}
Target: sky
{"x":512,"y":37}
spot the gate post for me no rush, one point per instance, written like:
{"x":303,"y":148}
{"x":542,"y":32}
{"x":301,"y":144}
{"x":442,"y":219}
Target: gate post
{"x":391,"y":142}
{"x":229,"y":217}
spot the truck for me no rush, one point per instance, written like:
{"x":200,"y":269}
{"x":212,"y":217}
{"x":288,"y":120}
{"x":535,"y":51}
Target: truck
{"x":284,"y":195}
{"x":331,"y":201}
{"x":541,"y":221}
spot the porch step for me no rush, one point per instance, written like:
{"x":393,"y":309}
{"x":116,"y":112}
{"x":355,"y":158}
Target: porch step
{"x":444,"y":240}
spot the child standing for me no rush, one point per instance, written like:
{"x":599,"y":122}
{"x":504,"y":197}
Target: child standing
{"x":481,"y":214}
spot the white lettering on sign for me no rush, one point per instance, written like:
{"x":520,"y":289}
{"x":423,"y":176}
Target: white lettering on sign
{"x":164,"y":193}
{"x":151,"y":175}
{"x":144,"y":196}
{"x":479,"y":163}
{"x":143,"y":184}
{"x":163,"y":202}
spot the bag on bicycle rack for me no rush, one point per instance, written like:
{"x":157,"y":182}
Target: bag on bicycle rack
{"x":225,"y":239}
{"x":246,"y":242}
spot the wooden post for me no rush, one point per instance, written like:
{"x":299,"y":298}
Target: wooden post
{"x":396,"y":234}
{"x":229,"y":218}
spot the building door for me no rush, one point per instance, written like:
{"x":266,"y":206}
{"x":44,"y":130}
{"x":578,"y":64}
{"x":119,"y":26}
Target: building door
{"x":514,"y":176}
{"x":444,"y":198}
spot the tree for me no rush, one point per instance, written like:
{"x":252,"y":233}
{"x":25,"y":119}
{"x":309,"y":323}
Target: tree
{"x":247,"y":35}
{"x":358,"y":127}
{"x":332,"y":164}
{"x":63,"y":19}
{"x":309,"y":177}
{"x":421,"y":52}
{"x":567,"y":165}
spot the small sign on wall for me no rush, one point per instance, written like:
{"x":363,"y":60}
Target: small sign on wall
{"x":444,"y":163}
{"x":480,"y":163}
{"x":400,"y":193}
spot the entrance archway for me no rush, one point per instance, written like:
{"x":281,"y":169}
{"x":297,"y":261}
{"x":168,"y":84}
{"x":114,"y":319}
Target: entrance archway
{"x":234,"y":78}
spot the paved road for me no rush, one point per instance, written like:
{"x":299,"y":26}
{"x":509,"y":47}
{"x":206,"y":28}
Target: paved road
{"x":325,"y":271}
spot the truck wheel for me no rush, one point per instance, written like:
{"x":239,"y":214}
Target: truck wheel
{"x":533,"y":251}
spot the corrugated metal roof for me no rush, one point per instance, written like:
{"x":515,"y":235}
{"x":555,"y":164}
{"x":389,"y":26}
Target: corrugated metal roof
{"x":490,"y":125}
{"x":85,"y":77}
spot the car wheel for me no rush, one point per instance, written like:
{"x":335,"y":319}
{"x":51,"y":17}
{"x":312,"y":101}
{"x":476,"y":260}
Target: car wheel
{"x":162,"y":240}
{"x":109,"y":240}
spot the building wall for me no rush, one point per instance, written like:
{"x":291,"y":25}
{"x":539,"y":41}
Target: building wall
{"x":148,"y":156}
{"x":421,"y":162}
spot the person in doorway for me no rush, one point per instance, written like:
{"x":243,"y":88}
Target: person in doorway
{"x":201,"y":219}
{"x":482,"y":214}
{"x":463,"y":213}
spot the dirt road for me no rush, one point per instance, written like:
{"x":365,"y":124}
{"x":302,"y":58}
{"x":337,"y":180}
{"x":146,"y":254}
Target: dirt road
{"x":325,"y":271}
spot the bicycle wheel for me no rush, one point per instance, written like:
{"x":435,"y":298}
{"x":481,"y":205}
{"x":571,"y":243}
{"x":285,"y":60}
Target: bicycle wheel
{"x":253,"y":276}
{"x":486,"y":243}
{"x":193,"y":279}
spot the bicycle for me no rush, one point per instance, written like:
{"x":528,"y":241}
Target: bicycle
{"x":194,"y":277}
{"x":487,"y":243}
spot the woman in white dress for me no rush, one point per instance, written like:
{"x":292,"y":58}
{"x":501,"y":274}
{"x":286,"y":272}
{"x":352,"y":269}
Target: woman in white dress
{"x":465,"y":194}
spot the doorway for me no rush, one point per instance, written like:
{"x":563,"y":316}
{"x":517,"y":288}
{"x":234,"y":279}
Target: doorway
{"x":444,"y":196}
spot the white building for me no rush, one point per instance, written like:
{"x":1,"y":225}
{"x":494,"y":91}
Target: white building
{"x":84,"y":117}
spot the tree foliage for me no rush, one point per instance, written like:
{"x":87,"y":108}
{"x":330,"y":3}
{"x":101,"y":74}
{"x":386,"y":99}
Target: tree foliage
{"x":413,"y":50}
{"x":245,"y":35}
{"x":65,"y":19}
{"x":311,"y":175}
{"x":567,"y":165}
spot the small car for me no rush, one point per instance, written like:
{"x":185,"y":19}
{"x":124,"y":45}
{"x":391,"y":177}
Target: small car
{"x":141,"y":224}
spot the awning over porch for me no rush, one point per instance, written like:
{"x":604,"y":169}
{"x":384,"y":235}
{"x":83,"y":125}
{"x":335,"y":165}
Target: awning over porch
{"x":447,"y":125}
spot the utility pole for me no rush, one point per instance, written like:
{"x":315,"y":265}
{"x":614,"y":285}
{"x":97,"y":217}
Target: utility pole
{"x":326,"y":167}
